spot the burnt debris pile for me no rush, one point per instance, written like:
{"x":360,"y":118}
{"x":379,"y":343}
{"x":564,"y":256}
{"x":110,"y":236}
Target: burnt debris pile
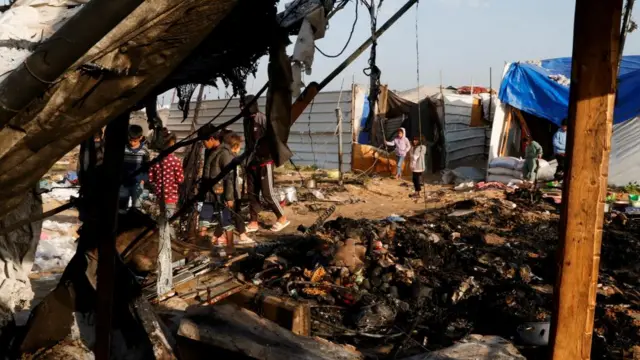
{"x":480,"y":266}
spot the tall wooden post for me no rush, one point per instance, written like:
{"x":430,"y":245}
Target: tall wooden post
{"x":591,"y":104}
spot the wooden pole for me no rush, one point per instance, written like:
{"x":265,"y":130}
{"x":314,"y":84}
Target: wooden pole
{"x":591,"y":105}
{"x":109,"y":185}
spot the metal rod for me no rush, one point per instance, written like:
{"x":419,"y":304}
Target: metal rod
{"x":339,"y":118}
{"x":55,"y":55}
{"x":625,"y":25}
{"x":109,"y":185}
{"x":490,"y":97}
{"x":42,"y":216}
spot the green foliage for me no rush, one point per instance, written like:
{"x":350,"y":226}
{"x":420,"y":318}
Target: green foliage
{"x":633,"y":188}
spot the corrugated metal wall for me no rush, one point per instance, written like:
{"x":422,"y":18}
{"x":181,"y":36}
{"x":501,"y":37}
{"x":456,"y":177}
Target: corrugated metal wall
{"x":313,"y":138}
{"x":462,"y":142}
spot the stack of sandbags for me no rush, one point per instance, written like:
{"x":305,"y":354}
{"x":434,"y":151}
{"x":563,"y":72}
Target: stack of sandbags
{"x":505,"y":170}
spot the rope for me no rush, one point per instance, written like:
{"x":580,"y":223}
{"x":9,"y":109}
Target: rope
{"x":419,"y":98}
{"x":311,"y":137}
{"x":353,"y":28}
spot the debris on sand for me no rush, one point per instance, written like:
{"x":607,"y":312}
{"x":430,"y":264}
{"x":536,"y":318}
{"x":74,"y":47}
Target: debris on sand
{"x":430,"y":281}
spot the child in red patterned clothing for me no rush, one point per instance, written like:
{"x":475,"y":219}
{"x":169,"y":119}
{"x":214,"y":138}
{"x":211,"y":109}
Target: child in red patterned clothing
{"x":166,"y":176}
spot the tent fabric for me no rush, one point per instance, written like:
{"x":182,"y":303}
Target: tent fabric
{"x":624,"y":162}
{"x":363,"y":135}
{"x":529,"y":87}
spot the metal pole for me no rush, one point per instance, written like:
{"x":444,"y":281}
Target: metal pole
{"x":109,"y":185}
{"x":55,"y":55}
{"x":490,"y":96}
{"x":339,"y":118}
{"x":625,"y":25}
{"x":374,"y":76}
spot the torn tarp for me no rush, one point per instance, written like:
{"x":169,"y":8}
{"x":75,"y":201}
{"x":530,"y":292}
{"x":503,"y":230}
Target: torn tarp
{"x":541,"y":88}
{"x":278,"y":108}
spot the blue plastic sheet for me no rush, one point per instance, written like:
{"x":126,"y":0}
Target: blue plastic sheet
{"x":363,"y":136}
{"x":528,"y":87}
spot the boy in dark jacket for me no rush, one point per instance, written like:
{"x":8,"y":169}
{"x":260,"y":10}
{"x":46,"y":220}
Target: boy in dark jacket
{"x":135,"y":155}
{"x":211,"y":142}
{"x":227,"y":192}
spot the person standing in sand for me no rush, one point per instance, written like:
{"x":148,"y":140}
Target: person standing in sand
{"x":403,"y":146}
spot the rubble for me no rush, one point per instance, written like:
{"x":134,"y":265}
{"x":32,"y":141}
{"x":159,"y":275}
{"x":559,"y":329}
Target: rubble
{"x":439,"y":278}
{"x":475,"y":347}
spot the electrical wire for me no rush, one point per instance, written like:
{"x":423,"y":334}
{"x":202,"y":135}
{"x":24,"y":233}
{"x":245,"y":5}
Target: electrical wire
{"x":353,"y":28}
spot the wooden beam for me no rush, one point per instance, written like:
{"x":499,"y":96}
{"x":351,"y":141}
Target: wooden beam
{"x":246,"y":334}
{"x":286,"y":312}
{"x":591,"y":104}
{"x":54,"y":56}
{"x":159,"y":35}
{"x":505,"y":134}
{"x":105,"y":231}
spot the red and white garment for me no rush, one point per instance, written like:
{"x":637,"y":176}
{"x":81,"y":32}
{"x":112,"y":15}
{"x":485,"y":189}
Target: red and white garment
{"x":165,"y":177}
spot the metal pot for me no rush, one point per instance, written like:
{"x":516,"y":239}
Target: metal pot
{"x":310,"y":184}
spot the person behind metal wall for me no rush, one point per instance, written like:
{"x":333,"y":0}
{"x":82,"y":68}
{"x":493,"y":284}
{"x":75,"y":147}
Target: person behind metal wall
{"x":559,"y":148}
{"x":532,"y":153}
{"x":259,"y":169}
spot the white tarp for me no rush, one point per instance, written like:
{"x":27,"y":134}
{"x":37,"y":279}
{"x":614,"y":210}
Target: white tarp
{"x":32,"y":21}
{"x":624,"y":161}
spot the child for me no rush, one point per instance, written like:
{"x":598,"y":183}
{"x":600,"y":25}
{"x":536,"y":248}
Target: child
{"x":166,"y":175}
{"x":211,"y":142}
{"x":135,"y":155}
{"x":227,"y":194}
{"x":403,"y":146}
{"x":418,"y":153}
{"x":533,"y":152}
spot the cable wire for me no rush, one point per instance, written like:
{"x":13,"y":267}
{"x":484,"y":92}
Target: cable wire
{"x":353,"y":28}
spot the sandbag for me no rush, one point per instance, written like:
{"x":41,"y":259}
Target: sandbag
{"x":517,"y":174}
{"x":505,"y":179}
{"x":506,"y":162}
{"x":547,"y":170}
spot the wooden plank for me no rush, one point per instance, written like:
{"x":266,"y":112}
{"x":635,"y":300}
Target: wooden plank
{"x":505,"y":134}
{"x":244,"y":332}
{"x":591,"y":105}
{"x":286,"y":312}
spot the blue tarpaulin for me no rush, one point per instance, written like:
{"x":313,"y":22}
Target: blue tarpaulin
{"x":530,"y":88}
{"x":363,"y":137}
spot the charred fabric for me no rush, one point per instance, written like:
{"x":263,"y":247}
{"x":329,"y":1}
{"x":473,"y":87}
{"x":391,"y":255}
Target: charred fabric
{"x":427,"y":282}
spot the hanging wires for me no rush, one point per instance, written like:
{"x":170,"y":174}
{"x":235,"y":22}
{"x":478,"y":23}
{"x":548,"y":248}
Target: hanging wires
{"x":420,"y":136}
{"x":353,"y":28}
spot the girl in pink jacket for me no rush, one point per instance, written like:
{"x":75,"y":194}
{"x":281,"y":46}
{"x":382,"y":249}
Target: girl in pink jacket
{"x":403,"y":146}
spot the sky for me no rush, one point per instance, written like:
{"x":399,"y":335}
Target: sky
{"x":460,"y":39}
